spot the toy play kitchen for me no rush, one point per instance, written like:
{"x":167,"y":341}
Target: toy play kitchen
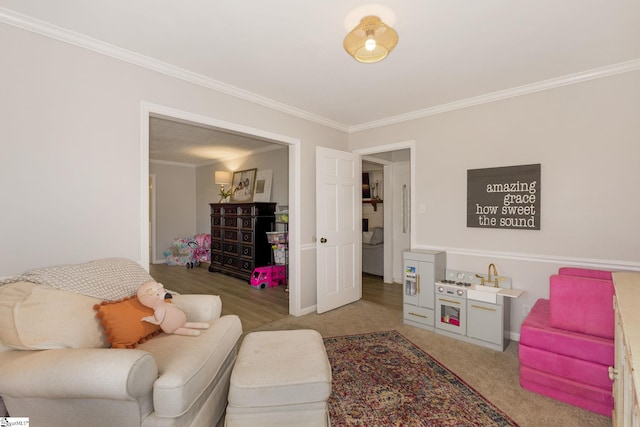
{"x":469,"y":306}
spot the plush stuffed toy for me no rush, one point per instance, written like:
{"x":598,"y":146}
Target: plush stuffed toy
{"x":171,"y":319}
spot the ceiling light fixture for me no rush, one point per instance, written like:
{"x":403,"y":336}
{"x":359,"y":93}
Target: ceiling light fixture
{"x":371,"y":40}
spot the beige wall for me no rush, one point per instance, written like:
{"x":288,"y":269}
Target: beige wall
{"x":70,"y":161}
{"x":175,"y":194}
{"x":585,"y":136}
{"x":70,"y":165}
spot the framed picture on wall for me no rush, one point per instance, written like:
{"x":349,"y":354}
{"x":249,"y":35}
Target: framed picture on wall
{"x":366,"y":189}
{"x":262,"y":191}
{"x":243,"y":186}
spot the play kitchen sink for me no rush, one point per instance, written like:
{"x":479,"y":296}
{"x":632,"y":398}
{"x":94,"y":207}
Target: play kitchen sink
{"x":483,"y":293}
{"x":475,"y":307}
{"x":482,"y":288}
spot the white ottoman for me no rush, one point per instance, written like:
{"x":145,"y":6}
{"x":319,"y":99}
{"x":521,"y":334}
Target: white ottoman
{"x":280,"y":378}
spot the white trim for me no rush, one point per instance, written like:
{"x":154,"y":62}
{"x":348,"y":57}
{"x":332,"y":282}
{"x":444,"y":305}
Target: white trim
{"x":28,"y":23}
{"x":295,"y":257}
{"x":569,"y":79}
{"x":148,"y":110}
{"x":310,"y":309}
{"x":604,"y":264}
{"x":388,"y":221}
{"x":411,"y":145}
{"x":389,"y":260}
{"x":170,"y":163}
{"x":153,"y":220}
{"x":145,"y":113}
{"x":308,"y":247}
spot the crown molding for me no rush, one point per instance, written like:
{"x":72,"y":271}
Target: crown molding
{"x":172,"y":163}
{"x":569,"y":79}
{"x":28,"y":23}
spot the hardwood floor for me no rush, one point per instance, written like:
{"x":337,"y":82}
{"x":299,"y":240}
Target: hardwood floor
{"x":375,"y":290}
{"x":257,"y":307}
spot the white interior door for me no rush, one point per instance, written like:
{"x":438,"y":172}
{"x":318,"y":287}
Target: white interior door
{"x":338,"y":228}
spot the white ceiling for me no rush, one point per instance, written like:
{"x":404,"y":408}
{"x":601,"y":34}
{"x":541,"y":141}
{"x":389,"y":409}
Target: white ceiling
{"x":177,"y":142}
{"x":289,"y":52}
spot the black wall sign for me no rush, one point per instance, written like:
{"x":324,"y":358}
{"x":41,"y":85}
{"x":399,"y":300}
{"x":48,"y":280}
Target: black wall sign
{"x":506,"y":197}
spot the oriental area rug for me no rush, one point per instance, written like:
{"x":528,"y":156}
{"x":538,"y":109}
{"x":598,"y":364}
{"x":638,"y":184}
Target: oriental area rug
{"x":382,"y":379}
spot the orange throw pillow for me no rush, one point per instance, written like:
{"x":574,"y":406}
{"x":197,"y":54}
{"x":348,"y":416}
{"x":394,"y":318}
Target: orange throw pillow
{"x":122,"y":322}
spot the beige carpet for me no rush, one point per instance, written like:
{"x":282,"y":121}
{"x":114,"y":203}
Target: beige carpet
{"x":493,"y":374}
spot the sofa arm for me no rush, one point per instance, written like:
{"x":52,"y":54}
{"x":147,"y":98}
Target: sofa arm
{"x":199,"y":308}
{"x":100,"y":373}
{"x":582,"y":304}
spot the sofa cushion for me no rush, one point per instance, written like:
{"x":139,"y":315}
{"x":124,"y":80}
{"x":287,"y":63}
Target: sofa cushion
{"x":39,"y":317}
{"x":188,"y":365}
{"x":582,"y":371}
{"x":585,"y":272}
{"x":582,"y":304}
{"x":377,"y":236}
{"x":123,"y":324}
{"x":537,"y":332}
{"x":585,"y":396}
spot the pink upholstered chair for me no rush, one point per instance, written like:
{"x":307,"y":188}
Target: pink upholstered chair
{"x":566,"y":341}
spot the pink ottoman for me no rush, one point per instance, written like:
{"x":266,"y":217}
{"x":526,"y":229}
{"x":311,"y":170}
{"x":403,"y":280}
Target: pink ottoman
{"x":565,"y":365}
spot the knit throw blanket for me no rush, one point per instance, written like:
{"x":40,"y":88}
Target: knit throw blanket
{"x":107,"y":279}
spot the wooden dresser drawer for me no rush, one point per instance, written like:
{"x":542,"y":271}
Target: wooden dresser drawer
{"x":230,"y":248}
{"x":246,"y":236}
{"x":216,"y":258}
{"x":246,"y":265}
{"x":231,"y":222}
{"x":247,"y":223}
{"x":231,"y":235}
{"x":230,"y":261}
{"x":246,"y":251}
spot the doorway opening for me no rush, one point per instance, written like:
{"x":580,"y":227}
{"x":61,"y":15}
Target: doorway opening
{"x":394,"y":165}
{"x":149,"y":110}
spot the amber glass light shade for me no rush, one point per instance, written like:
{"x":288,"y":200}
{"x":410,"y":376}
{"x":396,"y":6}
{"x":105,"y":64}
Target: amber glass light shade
{"x":371,"y":41}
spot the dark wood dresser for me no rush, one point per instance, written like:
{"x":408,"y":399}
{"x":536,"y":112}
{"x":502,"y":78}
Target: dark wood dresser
{"x":238,"y":237}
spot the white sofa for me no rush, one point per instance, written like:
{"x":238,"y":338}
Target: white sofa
{"x":56,"y":369}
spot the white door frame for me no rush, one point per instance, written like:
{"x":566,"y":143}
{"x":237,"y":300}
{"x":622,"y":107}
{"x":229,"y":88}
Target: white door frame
{"x":411,"y":145}
{"x":148,"y":110}
{"x":152,"y":218}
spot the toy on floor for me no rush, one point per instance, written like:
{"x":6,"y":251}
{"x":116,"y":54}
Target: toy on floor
{"x":268,"y":276}
{"x":171,"y":319}
{"x":190,"y":252}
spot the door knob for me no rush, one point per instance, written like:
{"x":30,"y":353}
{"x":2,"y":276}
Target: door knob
{"x":323,"y":240}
